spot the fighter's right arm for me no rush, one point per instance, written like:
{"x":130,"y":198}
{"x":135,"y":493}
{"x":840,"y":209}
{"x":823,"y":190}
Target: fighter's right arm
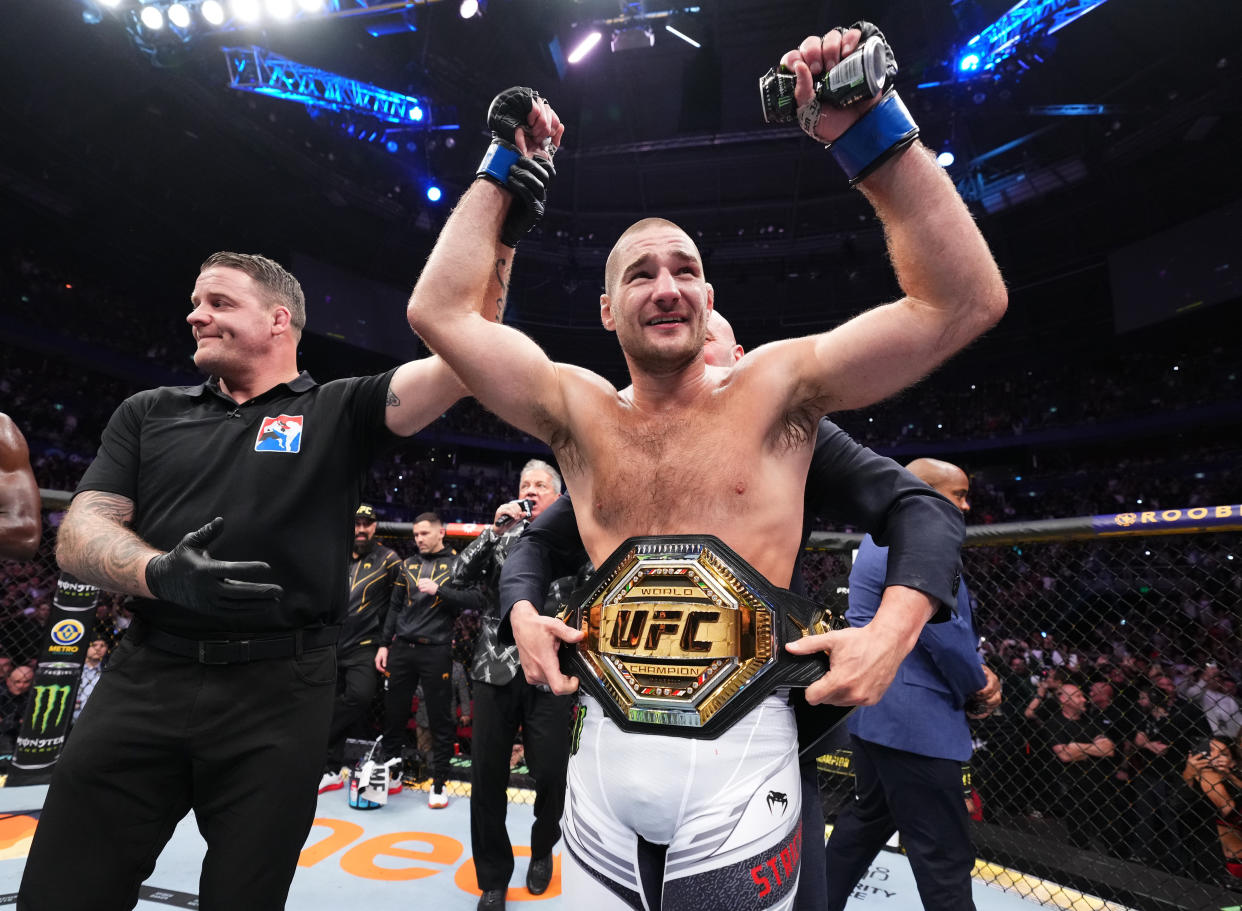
{"x":20,"y":519}
{"x":96,"y":545}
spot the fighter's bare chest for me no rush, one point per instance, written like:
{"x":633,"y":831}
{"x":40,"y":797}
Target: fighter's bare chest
{"x":658,"y":474}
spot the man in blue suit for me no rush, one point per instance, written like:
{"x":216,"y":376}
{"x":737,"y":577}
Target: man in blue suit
{"x":908,"y":748}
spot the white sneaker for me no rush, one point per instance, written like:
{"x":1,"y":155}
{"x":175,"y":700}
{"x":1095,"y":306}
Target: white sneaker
{"x":332,"y":781}
{"x":394,"y":767}
{"x":437,"y":797}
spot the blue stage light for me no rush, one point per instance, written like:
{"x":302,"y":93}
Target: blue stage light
{"x":945,"y":159}
{"x":969,"y":63}
{"x":433,"y":193}
{"x":416,"y":113}
{"x":391,"y":146}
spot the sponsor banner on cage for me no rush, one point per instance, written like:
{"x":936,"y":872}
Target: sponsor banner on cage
{"x":1219,"y":518}
{"x":49,"y":707}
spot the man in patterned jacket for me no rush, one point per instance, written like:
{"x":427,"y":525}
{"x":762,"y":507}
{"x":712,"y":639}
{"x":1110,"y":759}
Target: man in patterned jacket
{"x":503,"y":700}
{"x":373,"y":568}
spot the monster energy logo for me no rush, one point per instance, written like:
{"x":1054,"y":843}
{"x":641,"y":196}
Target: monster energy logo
{"x":54,"y":696}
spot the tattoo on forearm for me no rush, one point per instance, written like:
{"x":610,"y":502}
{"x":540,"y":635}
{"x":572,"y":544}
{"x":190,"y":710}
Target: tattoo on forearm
{"x":96,"y":545}
{"x":500,"y":279}
{"x":392,"y":401}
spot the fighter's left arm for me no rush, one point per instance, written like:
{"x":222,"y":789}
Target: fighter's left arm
{"x":20,"y":519}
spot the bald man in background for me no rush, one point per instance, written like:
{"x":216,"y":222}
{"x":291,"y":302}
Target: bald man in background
{"x":909,"y":747}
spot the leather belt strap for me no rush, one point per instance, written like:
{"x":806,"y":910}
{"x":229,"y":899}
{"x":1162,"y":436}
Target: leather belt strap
{"x":239,"y":651}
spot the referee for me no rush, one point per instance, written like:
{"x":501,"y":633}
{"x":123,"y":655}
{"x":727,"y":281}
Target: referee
{"x":222,"y":509}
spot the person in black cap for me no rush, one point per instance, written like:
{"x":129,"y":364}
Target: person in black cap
{"x":373,"y":569}
{"x":222,"y":510}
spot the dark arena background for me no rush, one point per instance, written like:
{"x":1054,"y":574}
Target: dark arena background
{"x":1097,"y":145}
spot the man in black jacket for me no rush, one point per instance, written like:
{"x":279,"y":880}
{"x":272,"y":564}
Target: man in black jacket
{"x":847,"y":483}
{"x":418,"y":647}
{"x":373,"y":570}
{"x":503,"y":700}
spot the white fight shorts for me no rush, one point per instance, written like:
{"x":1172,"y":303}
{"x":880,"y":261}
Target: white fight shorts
{"x":727,"y":809}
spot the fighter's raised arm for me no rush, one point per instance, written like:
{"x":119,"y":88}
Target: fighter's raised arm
{"x":953,"y":289}
{"x":458,"y":303}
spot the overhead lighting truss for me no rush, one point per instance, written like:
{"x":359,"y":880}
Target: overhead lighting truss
{"x":258,"y":70}
{"x":1024,"y":22}
{"x":182,"y":21}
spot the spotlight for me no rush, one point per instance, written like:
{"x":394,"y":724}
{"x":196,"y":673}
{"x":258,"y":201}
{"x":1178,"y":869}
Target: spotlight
{"x":247,"y":10}
{"x":416,"y":113}
{"x":311,"y":6}
{"x":969,"y":63}
{"x":468,"y":9}
{"x":391,"y":146}
{"x":945,"y":159}
{"x":111,"y":4}
{"x":179,"y":16}
{"x":212,"y":11}
{"x":682,"y":35}
{"x":585,"y":46}
{"x":152,"y":18}
{"x":280,"y":9}
{"x":433,"y":193}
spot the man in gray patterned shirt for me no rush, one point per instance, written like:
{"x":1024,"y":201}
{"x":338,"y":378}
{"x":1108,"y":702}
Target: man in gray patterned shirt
{"x":503,"y":700}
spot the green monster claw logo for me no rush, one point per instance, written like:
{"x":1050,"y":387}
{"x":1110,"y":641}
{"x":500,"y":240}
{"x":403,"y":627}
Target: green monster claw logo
{"x":575,"y":727}
{"x":56,"y":695}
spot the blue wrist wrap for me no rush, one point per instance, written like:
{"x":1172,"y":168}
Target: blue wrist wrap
{"x":497,"y":162}
{"x":876,"y":137}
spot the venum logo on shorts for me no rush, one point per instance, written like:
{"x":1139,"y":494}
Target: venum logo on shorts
{"x":777,"y":799}
{"x":282,"y":433}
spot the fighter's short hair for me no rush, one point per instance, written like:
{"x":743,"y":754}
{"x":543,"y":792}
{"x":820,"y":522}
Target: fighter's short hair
{"x":428,"y":517}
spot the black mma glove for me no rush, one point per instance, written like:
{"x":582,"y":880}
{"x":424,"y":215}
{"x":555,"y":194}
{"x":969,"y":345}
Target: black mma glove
{"x":527,"y":178}
{"x":187,"y":575}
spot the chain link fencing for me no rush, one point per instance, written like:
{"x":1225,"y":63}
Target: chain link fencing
{"x":1129,"y":647}
{"x":1131,"y":644}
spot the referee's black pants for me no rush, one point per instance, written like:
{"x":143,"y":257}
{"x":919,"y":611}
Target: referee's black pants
{"x":545,"y":719}
{"x":240,"y":744}
{"x":432,"y":666}
{"x":920,"y":797}
{"x":357,"y":679}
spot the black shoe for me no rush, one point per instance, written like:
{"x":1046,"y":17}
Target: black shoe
{"x":539,"y":874}
{"x":492,"y":900}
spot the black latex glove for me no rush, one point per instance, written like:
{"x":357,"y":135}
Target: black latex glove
{"x":187,"y":575}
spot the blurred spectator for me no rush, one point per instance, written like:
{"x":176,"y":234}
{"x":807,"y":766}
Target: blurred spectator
{"x":13,"y":698}
{"x":1084,"y":761}
{"x":92,"y":668}
{"x":1212,"y":772}
{"x":1172,"y":728}
{"x":1214,"y":693}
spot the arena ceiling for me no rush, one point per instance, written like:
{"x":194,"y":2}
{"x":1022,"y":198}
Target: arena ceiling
{"x":155,"y":164}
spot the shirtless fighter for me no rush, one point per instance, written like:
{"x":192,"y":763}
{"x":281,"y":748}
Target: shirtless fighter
{"x":692,"y":449}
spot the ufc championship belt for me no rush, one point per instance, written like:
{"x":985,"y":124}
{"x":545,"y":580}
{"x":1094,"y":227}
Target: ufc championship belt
{"x":683,"y":637}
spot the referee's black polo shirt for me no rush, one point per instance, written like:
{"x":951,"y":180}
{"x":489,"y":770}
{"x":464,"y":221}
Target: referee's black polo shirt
{"x":284,"y":469}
